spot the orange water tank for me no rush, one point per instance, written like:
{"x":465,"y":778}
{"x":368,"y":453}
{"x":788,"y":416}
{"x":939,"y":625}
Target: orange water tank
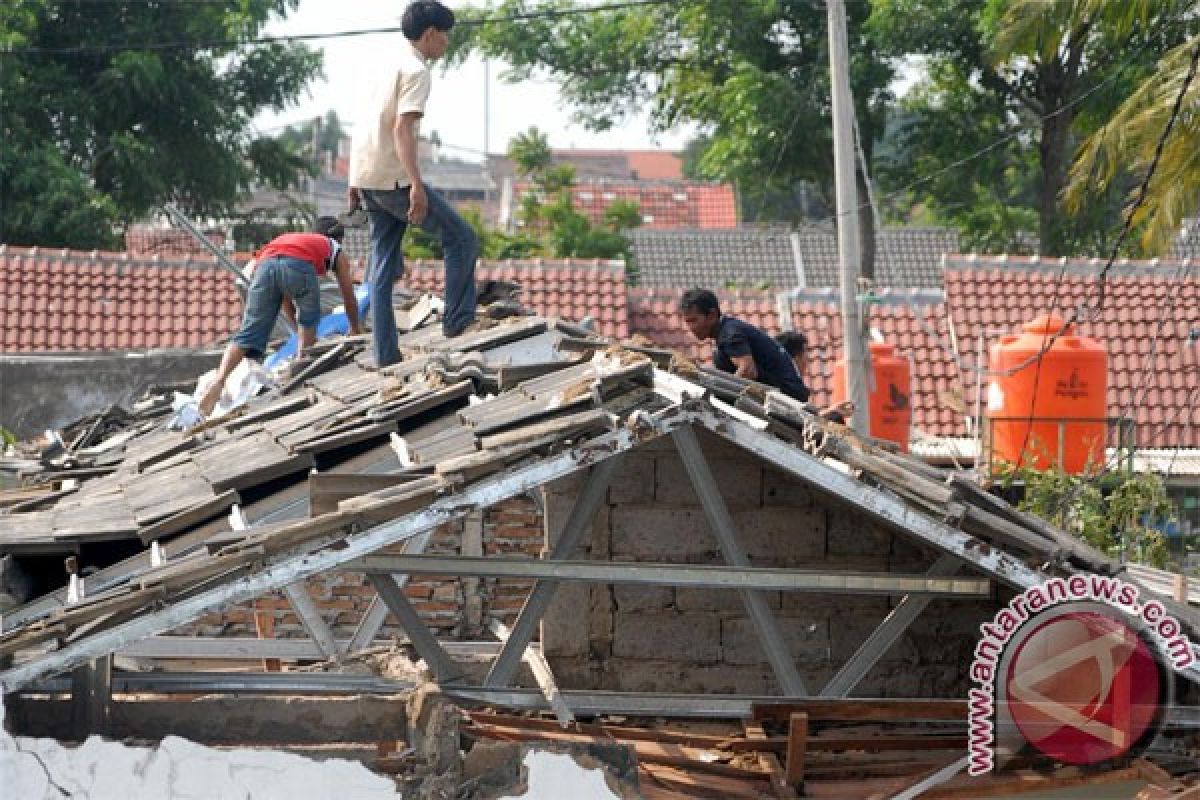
{"x":1053,"y":413}
{"x":889,"y":395}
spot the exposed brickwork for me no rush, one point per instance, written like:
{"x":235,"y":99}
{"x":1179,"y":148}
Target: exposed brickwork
{"x":511,"y":529}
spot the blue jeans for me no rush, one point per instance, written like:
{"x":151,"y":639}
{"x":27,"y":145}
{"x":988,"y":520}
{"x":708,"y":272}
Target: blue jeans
{"x":275,"y":278}
{"x":388,"y":209}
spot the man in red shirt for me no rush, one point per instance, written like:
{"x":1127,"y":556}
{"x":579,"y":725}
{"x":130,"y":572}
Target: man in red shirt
{"x":289,"y":267}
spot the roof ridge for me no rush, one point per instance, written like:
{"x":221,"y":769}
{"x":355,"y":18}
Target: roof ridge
{"x":1080,"y":265}
{"x":95,"y":256}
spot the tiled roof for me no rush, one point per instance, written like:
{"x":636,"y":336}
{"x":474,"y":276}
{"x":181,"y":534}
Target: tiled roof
{"x":567,"y":289}
{"x":1187,"y":243}
{"x":934,"y":379}
{"x":777,"y":258}
{"x":617,"y":165}
{"x":654,"y":165}
{"x":681,"y":259}
{"x":654,"y":313}
{"x":663,"y":204}
{"x":63,"y":300}
{"x":904,"y":257}
{"x":1150,"y":325}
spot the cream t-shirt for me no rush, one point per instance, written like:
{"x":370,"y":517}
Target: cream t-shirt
{"x":402,"y":89}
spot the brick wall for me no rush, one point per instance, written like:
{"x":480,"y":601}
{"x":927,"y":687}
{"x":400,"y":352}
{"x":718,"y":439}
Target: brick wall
{"x":652,"y":638}
{"x":452,"y":607}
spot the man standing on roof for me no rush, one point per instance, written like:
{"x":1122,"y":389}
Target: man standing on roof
{"x":741,"y":348}
{"x":288,"y":268}
{"x":386,"y":179}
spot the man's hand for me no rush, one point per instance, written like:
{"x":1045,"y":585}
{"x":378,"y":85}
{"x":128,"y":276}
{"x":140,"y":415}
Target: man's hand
{"x":354,"y":198}
{"x":745,"y":367}
{"x":418,"y":204}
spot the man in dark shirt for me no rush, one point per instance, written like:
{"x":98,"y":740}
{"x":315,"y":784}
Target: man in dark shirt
{"x":741,"y":348}
{"x":795,"y":344}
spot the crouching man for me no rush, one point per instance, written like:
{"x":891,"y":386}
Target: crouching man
{"x":289,"y":268}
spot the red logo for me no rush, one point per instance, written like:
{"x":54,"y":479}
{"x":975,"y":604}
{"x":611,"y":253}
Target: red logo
{"x":1083,"y":687}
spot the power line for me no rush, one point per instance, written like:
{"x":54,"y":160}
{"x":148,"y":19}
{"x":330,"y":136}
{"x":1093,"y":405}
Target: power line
{"x":549,"y":13}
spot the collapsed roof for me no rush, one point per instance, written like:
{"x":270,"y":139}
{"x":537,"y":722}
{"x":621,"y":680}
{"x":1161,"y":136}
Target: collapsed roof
{"x":474,"y":420}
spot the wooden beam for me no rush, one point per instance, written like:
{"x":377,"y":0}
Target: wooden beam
{"x":864,"y":742}
{"x":779,"y":783}
{"x":858,"y":710}
{"x":797,"y":748}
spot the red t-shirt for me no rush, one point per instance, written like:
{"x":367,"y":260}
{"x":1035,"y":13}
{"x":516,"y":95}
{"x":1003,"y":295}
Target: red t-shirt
{"x":316,"y":249}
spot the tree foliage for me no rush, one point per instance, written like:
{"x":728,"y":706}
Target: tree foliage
{"x":753,"y":75}
{"x":1130,"y":139}
{"x":549,"y":210}
{"x":1022,"y":82}
{"x":1114,"y":514}
{"x":143,"y":103}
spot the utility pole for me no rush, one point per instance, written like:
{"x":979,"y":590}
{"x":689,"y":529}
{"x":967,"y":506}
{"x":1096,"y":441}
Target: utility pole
{"x":316,"y":178}
{"x":847,"y":215}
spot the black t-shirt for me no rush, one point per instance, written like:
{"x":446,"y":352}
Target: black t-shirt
{"x":775,"y":366}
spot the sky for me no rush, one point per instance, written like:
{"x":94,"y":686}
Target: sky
{"x":456,"y":105}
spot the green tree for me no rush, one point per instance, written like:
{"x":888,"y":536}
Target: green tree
{"x":1129,"y":140}
{"x":493,"y":244}
{"x":1114,"y":513}
{"x":753,"y":74}
{"x":1023,"y":81}
{"x":110,"y":109}
{"x":549,"y":209}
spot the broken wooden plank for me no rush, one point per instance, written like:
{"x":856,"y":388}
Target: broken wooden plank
{"x":354,"y":435}
{"x":647,"y":752}
{"x":421,"y":403}
{"x":604,"y":731}
{"x":326,"y":490}
{"x":387,"y":504}
{"x":193,"y":515}
{"x":832,"y":742}
{"x":587,"y":422}
{"x":707,"y":785}
{"x":780,"y":786}
{"x":275,"y":410}
{"x":251,"y":476}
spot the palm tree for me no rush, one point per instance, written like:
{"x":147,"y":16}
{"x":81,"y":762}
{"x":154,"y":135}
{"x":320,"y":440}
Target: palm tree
{"x":1051,"y":53}
{"x":1128,"y":142}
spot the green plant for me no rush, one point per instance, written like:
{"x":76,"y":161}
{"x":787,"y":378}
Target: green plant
{"x":1113,"y":512}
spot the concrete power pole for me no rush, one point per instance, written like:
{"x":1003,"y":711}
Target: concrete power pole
{"x":847,"y":215}
{"x":319,"y":167}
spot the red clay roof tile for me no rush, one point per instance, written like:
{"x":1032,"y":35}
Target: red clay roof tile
{"x":69,"y":300}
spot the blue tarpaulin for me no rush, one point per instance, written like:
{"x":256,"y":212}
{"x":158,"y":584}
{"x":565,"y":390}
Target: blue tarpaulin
{"x":330,"y":325}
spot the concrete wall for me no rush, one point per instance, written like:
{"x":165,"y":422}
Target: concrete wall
{"x":650,"y":638}
{"x":50,"y":391}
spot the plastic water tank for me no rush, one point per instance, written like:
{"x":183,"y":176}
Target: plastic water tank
{"x":889,"y":396}
{"x":1052,"y":410}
